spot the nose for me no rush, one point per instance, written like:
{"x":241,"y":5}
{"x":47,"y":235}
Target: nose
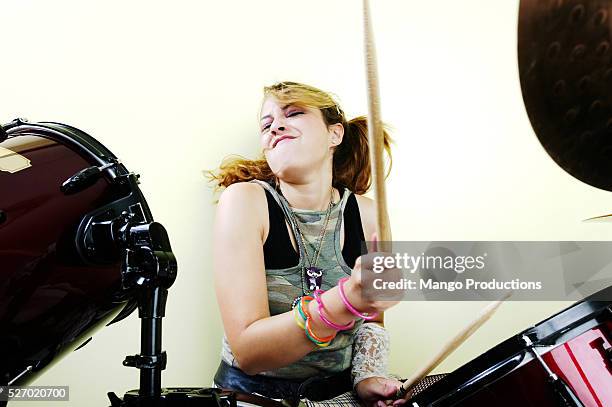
{"x":277,"y":126}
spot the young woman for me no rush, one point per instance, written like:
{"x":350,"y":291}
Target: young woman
{"x":287,"y":238}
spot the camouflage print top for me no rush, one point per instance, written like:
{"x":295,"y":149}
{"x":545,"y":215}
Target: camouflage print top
{"x":284,"y":285}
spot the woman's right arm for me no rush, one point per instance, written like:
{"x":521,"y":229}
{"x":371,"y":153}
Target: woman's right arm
{"x":258,"y":341}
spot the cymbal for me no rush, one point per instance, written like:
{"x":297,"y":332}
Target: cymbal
{"x":565,"y":66}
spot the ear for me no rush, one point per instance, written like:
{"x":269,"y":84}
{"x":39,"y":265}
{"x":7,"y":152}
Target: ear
{"x":336,"y":132}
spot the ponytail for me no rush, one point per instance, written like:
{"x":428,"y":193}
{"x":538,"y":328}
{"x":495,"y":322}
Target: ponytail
{"x":352,"y":157}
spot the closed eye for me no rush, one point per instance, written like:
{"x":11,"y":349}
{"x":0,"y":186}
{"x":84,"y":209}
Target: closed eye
{"x":290,"y":114}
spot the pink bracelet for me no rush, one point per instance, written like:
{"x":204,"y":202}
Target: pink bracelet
{"x":348,"y":305}
{"x":321,"y":307}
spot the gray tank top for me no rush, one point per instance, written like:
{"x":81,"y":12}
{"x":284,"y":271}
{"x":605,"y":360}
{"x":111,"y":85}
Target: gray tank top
{"x":284,"y":285}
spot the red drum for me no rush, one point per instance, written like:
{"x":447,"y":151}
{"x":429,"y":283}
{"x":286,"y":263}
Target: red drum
{"x":60,"y":270}
{"x":565,"y":360}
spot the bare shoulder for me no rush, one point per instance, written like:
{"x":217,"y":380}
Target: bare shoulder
{"x":367,"y":210}
{"x":243,"y":202}
{"x":365,"y":202}
{"x":242,"y":193}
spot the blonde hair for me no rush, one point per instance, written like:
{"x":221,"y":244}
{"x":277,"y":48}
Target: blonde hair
{"x":351,"y":160}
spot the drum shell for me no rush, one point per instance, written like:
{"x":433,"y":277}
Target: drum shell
{"x":573,"y":344}
{"x":50,"y":298}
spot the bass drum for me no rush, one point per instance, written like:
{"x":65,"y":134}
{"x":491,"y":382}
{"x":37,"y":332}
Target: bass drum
{"x":565,"y":360}
{"x":60,"y":279}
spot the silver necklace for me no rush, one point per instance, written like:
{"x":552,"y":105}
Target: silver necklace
{"x":312,"y":274}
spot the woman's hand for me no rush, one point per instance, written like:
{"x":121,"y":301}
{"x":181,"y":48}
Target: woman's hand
{"x":363,"y":300}
{"x":379,"y":392}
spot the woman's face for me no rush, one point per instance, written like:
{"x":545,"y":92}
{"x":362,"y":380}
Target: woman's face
{"x":295,"y":139}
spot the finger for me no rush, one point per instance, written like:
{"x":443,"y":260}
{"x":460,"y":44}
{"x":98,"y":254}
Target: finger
{"x":389,"y":390}
{"x":374,"y":239}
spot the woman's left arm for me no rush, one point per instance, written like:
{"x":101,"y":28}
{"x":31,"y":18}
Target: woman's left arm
{"x":369,"y":365}
{"x":371,"y":347}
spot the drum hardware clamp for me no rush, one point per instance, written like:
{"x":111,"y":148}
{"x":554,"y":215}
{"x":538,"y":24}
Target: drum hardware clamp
{"x":563,"y":391}
{"x":85,"y":178}
{"x":149,"y":267}
{"x":146,"y":362}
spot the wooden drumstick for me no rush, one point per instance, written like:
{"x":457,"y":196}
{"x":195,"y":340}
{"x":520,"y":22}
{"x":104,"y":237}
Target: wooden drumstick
{"x":375,"y":131}
{"x":451,"y":345}
{"x":602,"y":218}
{"x":376,"y":142}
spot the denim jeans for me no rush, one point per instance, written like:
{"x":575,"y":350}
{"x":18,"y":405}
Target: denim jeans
{"x":316,"y":388}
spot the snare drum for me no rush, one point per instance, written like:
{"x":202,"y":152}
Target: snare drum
{"x":565,"y":360}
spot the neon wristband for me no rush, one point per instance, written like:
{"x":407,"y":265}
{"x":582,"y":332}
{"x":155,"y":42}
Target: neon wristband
{"x":350,"y":307}
{"x":298,"y":320}
{"x":314,"y":338}
{"x":326,"y":321}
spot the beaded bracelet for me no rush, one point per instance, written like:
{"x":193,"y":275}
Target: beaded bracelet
{"x":348,"y":305}
{"x":326,"y":321}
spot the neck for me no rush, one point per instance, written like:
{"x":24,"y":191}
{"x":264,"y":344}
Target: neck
{"x":311,"y":195}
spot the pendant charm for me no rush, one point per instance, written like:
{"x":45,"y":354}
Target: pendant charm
{"x":314,"y":278}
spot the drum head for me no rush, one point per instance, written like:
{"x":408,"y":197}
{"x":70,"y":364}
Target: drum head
{"x":565,"y":64}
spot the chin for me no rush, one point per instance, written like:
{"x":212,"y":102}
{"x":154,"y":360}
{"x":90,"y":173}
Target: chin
{"x":280,"y":164}
{"x":289,"y":173}
{"x":287,"y":167}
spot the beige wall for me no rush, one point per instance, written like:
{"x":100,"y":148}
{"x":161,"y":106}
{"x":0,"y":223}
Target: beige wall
{"x":173,"y":87}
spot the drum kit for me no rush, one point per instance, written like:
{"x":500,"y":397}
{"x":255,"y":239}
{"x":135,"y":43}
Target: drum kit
{"x":100,"y":255}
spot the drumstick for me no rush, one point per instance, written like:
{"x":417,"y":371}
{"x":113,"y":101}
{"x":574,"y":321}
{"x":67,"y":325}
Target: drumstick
{"x":600,"y":218}
{"x":376,"y":142}
{"x":451,"y":345}
{"x":375,"y":130}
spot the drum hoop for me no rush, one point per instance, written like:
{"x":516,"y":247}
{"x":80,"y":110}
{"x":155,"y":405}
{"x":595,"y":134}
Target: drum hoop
{"x":81,"y":141}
